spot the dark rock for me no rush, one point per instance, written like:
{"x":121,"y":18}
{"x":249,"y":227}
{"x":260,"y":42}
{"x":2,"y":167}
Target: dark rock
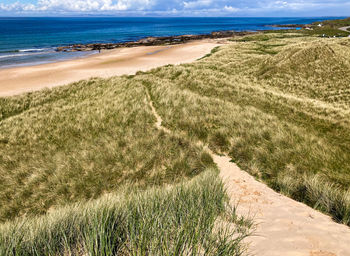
{"x":151,"y":41}
{"x":288,"y":26}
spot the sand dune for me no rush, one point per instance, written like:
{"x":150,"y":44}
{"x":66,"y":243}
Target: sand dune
{"x":283,"y":226}
{"x":109,"y":63}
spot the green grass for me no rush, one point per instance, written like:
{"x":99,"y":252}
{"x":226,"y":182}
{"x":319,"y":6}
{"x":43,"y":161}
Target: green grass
{"x":214,"y":50}
{"x":84,"y":140}
{"x":326,"y":31}
{"x":187,"y":219}
{"x":252,"y":38}
{"x":335,"y":23}
{"x":281,"y":116}
{"x":329,"y":28}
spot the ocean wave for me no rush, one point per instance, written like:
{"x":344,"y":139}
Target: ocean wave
{"x":35,"y":50}
{"x":20,"y":54}
{"x":30,"y":50}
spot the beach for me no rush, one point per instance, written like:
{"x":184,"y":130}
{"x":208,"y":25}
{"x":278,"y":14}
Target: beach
{"x":121,"y":61}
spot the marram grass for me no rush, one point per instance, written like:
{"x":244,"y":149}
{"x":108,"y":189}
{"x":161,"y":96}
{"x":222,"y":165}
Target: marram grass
{"x":81,"y":141}
{"x":187,"y":219}
{"x":278,"y":104}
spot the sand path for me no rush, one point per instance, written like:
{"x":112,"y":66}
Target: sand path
{"x":284,"y":227}
{"x":122,"y":61}
{"x":345,"y":29}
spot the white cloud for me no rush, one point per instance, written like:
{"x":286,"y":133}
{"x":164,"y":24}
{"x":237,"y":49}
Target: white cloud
{"x":180,"y":7}
{"x":16,"y":7}
{"x":197,"y":4}
{"x":231,"y":9}
{"x":295,"y":5}
{"x":78,"y":5}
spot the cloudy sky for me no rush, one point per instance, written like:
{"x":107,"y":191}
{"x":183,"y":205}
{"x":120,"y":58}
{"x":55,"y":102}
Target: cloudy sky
{"x":235,"y":8}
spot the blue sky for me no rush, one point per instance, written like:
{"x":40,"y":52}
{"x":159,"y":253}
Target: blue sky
{"x":232,"y":8}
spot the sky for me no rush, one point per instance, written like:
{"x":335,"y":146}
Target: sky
{"x":167,"y":8}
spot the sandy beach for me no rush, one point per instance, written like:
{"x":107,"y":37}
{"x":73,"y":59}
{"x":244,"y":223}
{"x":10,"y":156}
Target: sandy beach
{"x":122,"y":61}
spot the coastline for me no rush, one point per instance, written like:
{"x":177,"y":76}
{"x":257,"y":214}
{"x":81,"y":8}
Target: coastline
{"x":120,"y":61}
{"x":115,"y":59}
{"x":54,"y":60}
{"x":90,"y":49}
{"x":153,"y":41}
{"x":49,"y":50}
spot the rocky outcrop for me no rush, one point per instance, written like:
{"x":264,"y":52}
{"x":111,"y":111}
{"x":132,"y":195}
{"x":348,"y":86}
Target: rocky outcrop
{"x":288,"y":25}
{"x":150,"y":41}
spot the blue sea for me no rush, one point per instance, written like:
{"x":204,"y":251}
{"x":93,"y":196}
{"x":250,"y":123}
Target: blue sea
{"x":31,"y":41}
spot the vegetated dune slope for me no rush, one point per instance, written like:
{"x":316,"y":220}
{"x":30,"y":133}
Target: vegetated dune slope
{"x":277,"y":104}
{"x":82,"y":141}
{"x":90,"y":156}
{"x":317,"y":70}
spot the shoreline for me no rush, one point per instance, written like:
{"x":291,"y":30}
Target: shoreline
{"x":58,"y":60}
{"x":32,"y":77}
{"x":174,"y":39}
{"x":108,"y":63}
{"x":146,"y":41}
{"x":95,"y":48}
{"x":153,"y":41}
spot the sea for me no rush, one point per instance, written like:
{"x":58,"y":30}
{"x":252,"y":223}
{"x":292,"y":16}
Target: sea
{"x":32,"y":41}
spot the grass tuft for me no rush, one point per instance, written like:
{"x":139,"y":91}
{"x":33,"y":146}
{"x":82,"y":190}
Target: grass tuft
{"x":187,"y":219}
